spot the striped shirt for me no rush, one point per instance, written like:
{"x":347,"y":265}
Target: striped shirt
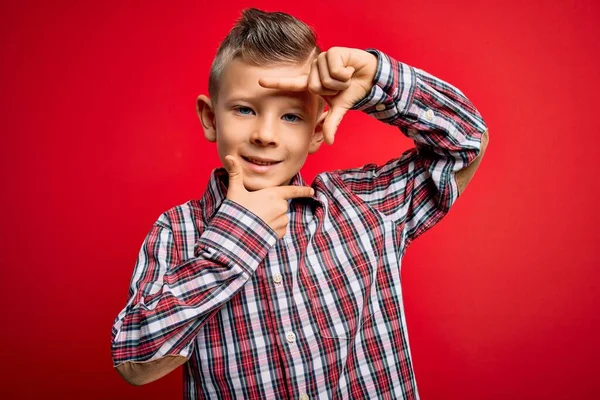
{"x":318,"y":313}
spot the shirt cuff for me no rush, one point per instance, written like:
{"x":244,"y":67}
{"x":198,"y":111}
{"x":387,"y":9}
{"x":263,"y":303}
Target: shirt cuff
{"x":393,"y":88}
{"x":239,"y":234}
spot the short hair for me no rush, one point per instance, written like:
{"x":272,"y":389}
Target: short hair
{"x":263,"y":38}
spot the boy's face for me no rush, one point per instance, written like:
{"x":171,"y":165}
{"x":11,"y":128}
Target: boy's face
{"x":250,"y":122}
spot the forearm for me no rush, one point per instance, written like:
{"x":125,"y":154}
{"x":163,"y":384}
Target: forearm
{"x":439,"y":118}
{"x":171,"y":299}
{"x":409,"y":97}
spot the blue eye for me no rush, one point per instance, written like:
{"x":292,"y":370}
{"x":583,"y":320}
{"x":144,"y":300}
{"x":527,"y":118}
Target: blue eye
{"x":295,"y":118}
{"x":244,"y":110}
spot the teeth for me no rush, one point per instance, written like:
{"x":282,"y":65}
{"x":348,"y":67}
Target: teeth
{"x":261,"y":162}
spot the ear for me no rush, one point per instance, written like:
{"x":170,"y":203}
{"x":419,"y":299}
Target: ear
{"x":317,"y":137}
{"x":206,"y":114}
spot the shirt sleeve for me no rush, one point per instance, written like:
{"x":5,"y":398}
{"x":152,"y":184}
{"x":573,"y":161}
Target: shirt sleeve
{"x":170,"y":299}
{"x":417,"y":189}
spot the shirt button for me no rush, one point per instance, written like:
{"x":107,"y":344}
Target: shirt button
{"x":303,"y":396}
{"x":277,"y":278}
{"x":429,"y":114}
{"x":380,"y":107}
{"x":290,"y":337}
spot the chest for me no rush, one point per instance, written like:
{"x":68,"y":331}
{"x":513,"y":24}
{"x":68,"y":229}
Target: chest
{"x":327,"y":243}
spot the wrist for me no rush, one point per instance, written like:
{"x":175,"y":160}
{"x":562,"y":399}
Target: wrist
{"x":371,"y":69}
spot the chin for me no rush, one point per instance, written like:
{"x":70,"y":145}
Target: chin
{"x":253,"y":184}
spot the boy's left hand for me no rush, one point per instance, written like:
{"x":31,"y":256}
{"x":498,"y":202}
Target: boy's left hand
{"x":341,"y":75}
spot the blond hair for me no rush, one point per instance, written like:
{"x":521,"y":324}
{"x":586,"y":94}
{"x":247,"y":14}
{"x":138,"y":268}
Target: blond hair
{"x":263,"y":39}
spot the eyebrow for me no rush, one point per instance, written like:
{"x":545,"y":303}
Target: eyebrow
{"x":297,"y":103}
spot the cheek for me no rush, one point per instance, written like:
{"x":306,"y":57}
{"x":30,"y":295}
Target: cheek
{"x":229,"y":133}
{"x":301,"y":141}
{"x":299,"y":150}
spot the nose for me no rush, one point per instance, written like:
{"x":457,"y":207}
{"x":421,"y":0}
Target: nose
{"x":265,"y":133}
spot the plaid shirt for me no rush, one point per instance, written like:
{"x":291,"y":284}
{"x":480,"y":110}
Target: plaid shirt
{"x":319,"y":313}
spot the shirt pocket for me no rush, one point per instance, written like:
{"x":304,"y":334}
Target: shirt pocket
{"x":341,"y":299}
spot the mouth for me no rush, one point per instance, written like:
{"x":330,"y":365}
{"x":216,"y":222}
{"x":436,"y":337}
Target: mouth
{"x":260,"y":165}
{"x":260,"y":161}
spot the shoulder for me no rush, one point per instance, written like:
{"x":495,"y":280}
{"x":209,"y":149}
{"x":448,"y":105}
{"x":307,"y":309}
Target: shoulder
{"x":370,"y":175}
{"x":181,"y":215}
{"x":347,"y":180}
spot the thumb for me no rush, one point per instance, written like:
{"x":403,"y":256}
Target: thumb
{"x":236,"y":176}
{"x":331,"y":123}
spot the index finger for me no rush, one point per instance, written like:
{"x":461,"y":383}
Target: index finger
{"x":293,"y":84}
{"x":292,"y":192}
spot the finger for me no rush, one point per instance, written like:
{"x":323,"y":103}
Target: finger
{"x":293,"y":84}
{"x":332,"y":121}
{"x":337,"y":66}
{"x":314,"y":82}
{"x":292,"y":192}
{"x":281,"y":222}
{"x":326,"y":80}
{"x":281,"y":225}
{"x":236,"y":175}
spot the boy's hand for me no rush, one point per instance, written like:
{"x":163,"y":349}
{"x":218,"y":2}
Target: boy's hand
{"x":268,"y":204}
{"x":341,"y":75}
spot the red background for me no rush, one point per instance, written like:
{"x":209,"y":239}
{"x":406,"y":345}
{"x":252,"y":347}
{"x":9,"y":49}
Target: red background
{"x":99,"y":136}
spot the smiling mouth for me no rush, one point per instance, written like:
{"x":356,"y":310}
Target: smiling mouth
{"x":258,"y":162}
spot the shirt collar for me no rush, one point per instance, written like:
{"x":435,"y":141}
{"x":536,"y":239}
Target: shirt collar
{"x":216,"y":192}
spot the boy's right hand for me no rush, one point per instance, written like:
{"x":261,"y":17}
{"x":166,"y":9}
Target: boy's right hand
{"x":268,"y":204}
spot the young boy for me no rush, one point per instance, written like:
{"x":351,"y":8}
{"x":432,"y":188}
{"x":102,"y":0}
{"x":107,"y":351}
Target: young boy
{"x":266,"y":287}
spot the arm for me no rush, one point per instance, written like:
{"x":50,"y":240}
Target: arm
{"x":170,"y":299}
{"x":417,"y":189}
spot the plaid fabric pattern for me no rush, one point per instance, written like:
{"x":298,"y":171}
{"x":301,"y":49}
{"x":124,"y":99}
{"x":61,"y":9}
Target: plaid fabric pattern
{"x":319,"y":313}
